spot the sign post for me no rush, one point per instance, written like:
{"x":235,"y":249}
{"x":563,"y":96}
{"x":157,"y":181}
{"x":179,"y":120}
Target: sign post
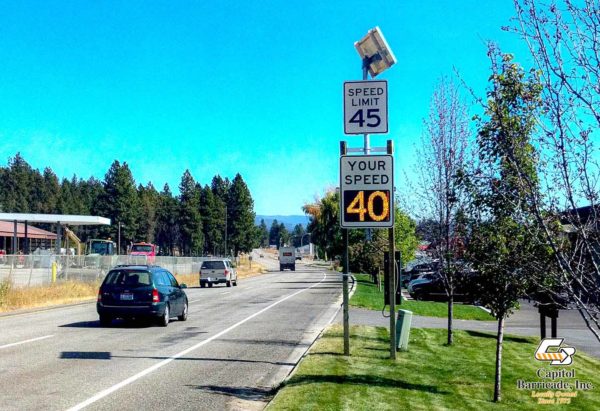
{"x":367,"y":188}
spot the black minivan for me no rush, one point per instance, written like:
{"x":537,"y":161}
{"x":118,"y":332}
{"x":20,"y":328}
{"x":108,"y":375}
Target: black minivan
{"x":141,"y":291}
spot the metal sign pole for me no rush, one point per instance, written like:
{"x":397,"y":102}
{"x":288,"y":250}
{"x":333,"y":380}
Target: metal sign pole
{"x":344,"y":151}
{"x":392,"y":295}
{"x":345,"y":291}
{"x":365,"y":68}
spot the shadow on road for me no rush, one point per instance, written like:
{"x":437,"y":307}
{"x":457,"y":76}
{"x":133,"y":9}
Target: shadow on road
{"x":85,"y":355}
{"x":142,"y":323}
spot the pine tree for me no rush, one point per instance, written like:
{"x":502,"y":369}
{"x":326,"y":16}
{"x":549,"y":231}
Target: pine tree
{"x":220,"y":191}
{"x":212,"y":211}
{"x":298,"y":234}
{"x":284,"y":235}
{"x":274,"y":233}
{"x":149,"y":199}
{"x":50,"y":192}
{"x":263,"y":234}
{"x":120,"y":202}
{"x":240,"y":210}
{"x":190,"y":221}
{"x":167,"y":227}
{"x":16,"y":185}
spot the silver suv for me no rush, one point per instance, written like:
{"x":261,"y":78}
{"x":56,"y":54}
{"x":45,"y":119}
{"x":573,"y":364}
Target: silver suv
{"x":217,"y":271}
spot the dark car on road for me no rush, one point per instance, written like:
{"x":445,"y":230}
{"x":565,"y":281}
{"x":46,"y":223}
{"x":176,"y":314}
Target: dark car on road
{"x":141,"y":291}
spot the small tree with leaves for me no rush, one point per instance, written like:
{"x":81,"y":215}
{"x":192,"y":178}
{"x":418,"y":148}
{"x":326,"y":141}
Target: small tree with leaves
{"x":505,"y":245}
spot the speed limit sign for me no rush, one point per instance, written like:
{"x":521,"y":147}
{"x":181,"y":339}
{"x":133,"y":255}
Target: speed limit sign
{"x":365,"y":107}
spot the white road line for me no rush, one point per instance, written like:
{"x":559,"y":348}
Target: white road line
{"x":156,"y":366}
{"x":26,"y":341}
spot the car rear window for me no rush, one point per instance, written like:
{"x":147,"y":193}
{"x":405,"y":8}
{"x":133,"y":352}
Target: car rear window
{"x":130,"y":278}
{"x":213,"y":265}
{"x":286,"y":254}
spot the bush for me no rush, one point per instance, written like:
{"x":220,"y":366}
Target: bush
{"x":5,"y":286}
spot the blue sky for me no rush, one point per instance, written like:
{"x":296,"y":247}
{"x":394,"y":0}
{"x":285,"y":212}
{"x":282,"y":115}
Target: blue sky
{"x":253,"y":87}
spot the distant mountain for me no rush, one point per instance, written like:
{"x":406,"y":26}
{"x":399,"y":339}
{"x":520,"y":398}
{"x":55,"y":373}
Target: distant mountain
{"x":289,"y":221}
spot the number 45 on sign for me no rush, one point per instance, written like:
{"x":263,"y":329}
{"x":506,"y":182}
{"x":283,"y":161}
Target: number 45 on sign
{"x":365,"y":107}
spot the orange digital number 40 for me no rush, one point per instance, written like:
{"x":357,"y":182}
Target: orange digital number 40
{"x":357,"y":206}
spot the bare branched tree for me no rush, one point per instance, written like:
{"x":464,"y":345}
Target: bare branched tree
{"x":564,"y":40}
{"x":440,"y":157}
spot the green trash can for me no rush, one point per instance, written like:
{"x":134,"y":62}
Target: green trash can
{"x":403,"y":329}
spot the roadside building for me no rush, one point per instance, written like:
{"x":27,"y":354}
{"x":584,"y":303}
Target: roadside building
{"x":36,"y":237}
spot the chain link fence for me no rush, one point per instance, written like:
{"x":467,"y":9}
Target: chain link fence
{"x":43,"y":269}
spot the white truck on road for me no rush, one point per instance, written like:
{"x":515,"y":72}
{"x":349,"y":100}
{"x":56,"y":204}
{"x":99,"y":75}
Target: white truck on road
{"x":287,"y":258}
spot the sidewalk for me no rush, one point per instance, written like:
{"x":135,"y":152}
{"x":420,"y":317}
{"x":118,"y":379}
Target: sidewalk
{"x":523,"y":322}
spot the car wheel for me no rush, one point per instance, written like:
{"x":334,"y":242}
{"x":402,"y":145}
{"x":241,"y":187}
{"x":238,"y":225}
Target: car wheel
{"x":202,"y":285}
{"x":163,"y":321}
{"x":228,"y":283}
{"x":184,"y":313}
{"x":105,"y":320}
{"x":235,"y":283}
{"x":280,"y":268}
{"x":210,"y":285}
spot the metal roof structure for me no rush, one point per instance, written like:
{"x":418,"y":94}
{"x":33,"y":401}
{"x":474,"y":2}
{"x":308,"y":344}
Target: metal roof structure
{"x":66,"y":219}
{"x":7,"y":230}
{"x":59,"y":219}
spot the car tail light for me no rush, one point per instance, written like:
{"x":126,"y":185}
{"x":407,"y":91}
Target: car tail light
{"x":155,"y":296}
{"x":226,"y":272}
{"x":99,"y":296}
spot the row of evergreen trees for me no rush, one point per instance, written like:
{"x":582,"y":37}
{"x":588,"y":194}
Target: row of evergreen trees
{"x":192,"y":223}
{"x":279,"y":235}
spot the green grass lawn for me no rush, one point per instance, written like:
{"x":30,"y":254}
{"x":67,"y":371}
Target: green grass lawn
{"x":368,"y":296}
{"x":430,"y":376}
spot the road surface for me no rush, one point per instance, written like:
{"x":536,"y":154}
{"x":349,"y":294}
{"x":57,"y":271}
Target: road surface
{"x":237,"y":344}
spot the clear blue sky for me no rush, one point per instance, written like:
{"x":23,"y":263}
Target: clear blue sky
{"x":253,"y":87}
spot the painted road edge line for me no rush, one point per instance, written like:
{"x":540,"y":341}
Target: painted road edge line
{"x":156,"y":366}
{"x":26,"y":341}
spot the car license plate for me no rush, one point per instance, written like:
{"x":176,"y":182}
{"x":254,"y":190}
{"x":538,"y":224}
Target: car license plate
{"x":126,"y":297}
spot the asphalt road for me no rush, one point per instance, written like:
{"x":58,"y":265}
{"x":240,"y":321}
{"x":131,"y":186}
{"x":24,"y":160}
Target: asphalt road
{"x":237,"y":344}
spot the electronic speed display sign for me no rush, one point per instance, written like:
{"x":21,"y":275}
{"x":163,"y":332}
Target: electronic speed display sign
{"x":365,"y":107}
{"x":367,"y":191}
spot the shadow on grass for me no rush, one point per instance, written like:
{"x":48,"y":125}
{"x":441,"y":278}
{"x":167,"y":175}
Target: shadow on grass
{"x":521,"y":340}
{"x":383,"y":339}
{"x":244,"y":393}
{"x":370,"y":380}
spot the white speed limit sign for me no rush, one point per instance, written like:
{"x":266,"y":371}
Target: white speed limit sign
{"x":365,"y":107}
